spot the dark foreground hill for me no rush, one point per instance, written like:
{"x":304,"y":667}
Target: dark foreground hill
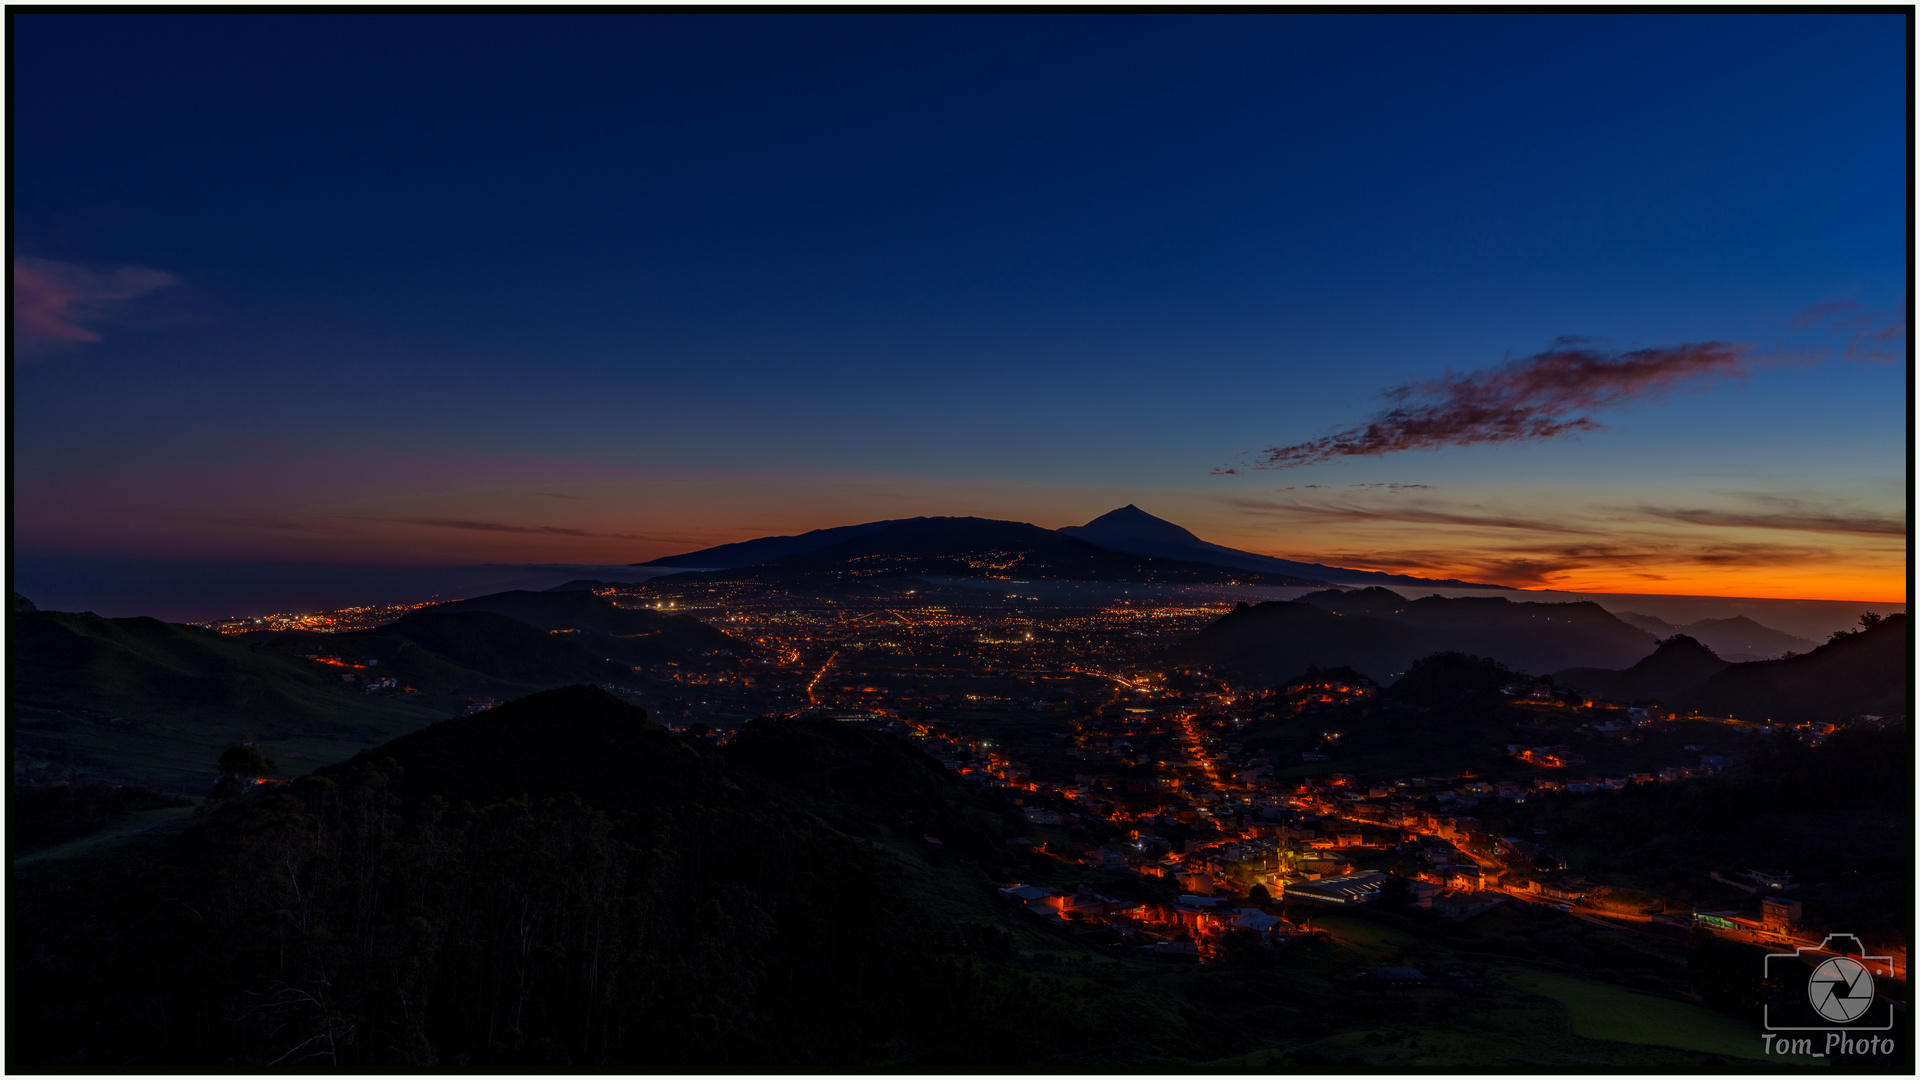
{"x":557,"y":883}
{"x":571,"y":740}
{"x":982,"y":547}
{"x":560,"y":884}
{"x":1381,"y":633}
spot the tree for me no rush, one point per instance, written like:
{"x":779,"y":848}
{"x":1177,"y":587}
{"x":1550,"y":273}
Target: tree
{"x":1870,"y":619}
{"x":1396,"y":894}
{"x":246,"y":762}
{"x":240,"y":767}
{"x":1259,"y":896}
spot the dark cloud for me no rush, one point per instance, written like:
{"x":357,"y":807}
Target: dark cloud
{"x":1873,"y":331}
{"x":1539,"y":567}
{"x":490,"y":526}
{"x":1786,"y":513}
{"x":55,"y":303}
{"x":1542,"y":397}
{"x":1418,"y":514}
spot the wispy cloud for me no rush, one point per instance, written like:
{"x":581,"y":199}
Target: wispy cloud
{"x":491,"y":526}
{"x":1549,"y":565}
{"x":1783,"y":512}
{"x":527,"y":529}
{"x":1410,"y":513}
{"x":1873,"y":331}
{"x":545,"y":530}
{"x":54,"y":303}
{"x":1544,"y":396}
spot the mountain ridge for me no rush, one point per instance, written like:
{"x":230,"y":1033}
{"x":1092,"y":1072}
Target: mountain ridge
{"x":1133,"y":530}
{"x":1380,"y":633}
{"x":977,"y":547}
{"x":1735,"y":636}
{"x":1127,"y":530}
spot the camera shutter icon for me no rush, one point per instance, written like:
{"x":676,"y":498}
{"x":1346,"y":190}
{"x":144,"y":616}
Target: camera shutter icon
{"x":1841,"y":989}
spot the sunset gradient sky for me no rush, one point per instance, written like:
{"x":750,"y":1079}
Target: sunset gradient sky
{"x":399,"y":289}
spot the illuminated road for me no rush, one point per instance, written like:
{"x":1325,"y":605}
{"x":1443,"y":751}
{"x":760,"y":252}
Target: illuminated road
{"x":818,"y":675}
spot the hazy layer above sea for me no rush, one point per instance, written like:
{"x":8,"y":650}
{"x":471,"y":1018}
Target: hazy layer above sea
{"x":1810,"y":619}
{"x":196,"y":590}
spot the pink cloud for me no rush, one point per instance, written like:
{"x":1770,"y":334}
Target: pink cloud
{"x":1542,"y":397}
{"x":1873,"y":331}
{"x":54,"y":301}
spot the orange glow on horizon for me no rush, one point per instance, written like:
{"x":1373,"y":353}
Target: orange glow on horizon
{"x":1845,"y":578}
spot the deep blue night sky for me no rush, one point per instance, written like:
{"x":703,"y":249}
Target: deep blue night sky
{"x":595,"y":288}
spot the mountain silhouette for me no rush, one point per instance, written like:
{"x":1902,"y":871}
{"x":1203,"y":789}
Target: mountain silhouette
{"x":1132,"y":529}
{"x":1127,"y":531}
{"x":604,"y":629}
{"x":983,"y":547}
{"x":1381,"y":633}
{"x":1677,"y":666}
{"x":1738,"y":638}
{"x":767,"y":548}
{"x":1867,"y":672}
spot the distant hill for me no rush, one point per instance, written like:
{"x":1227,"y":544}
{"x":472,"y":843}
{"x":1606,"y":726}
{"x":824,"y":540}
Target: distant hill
{"x":1861,"y":673}
{"x":155,"y":702}
{"x":1738,"y":638}
{"x":1869,"y":672}
{"x":768,"y":548}
{"x":1133,"y":530}
{"x":983,"y":547}
{"x":1129,"y":531}
{"x":588,"y":585}
{"x":626,"y":635}
{"x":1381,"y":633}
{"x":1677,"y":666}
{"x":140,"y":700}
{"x":445,"y":653}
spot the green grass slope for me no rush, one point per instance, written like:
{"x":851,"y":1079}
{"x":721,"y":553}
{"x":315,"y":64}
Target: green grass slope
{"x":154,"y":702}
